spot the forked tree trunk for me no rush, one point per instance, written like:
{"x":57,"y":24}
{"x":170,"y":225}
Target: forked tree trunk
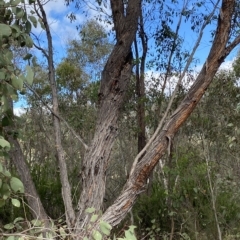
{"x":115,"y":78}
{"x":151,"y":155}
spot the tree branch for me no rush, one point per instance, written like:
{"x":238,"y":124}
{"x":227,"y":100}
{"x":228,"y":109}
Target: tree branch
{"x":150,"y":157}
{"x":58,"y":116}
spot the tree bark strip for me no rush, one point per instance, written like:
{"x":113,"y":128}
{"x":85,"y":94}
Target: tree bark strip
{"x":115,"y":79}
{"x":137,"y":180}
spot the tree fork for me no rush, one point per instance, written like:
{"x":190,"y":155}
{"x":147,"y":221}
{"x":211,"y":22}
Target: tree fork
{"x":115,"y":79}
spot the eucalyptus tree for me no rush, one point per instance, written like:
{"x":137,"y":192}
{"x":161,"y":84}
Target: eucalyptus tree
{"x":113,"y":87}
{"x":115,"y":78}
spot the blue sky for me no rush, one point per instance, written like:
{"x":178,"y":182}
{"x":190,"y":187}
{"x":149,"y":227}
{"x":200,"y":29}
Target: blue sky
{"x":63,"y":30}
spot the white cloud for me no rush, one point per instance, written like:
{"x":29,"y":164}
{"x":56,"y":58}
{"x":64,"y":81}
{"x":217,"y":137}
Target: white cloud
{"x":18,"y":111}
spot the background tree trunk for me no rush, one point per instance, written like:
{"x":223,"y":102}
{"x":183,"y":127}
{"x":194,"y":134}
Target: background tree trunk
{"x":66,"y":188}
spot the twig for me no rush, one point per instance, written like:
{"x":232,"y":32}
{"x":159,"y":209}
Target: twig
{"x":142,"y":152}
{"x":58,"y":116}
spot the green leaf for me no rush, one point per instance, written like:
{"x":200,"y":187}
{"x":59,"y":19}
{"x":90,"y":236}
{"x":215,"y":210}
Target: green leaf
{"x":9,"y":226}
{"x":62,"y":232}
{"x":1,"y":169}
{"x":16,"y":185}
{"x":14,"y":2}
{"x":129,"y":234}
{"x":28,"y":27}
{"x":9,"y":56}
{"x":17,"y":82}
{"x":33,"y":20}
{"x":29,"y":41}
{"x":4,"y":103}
{"x":85,"y":238}
{"x":2,"y":75}
{"x":19,"y":13}
{"x":94,"y":218}
{"x":18,"y":219}
{"x":5,"y":30}
{"x":105,"y":228}
{"x":97,"y":235}
{"x":5,"y":144}
{"x":14,"y":10}
{"x":90,"y":210}
{"x":11,"y":238}
{"x":2,"y":202}
{"x":7,"y":174}
{"x":16,"y":30}
{"x":32,"y":1}
{"x":30,"y":74}
{"x":36,"y":223}
{"x":0,"y":182}
{"x":41,"y":23}
{"x":15,"y":202}
{"x":27,"y":56}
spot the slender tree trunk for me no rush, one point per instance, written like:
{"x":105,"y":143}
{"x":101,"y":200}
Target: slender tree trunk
{"x":33,"y":200}
{"x":66,"y":189}
{"x":140,"y":86}
{"x":114,"y":82}
{"x":150,"y":157}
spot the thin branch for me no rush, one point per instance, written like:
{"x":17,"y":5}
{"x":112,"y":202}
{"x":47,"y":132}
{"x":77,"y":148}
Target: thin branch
{"x":41,"y":49}
{"x":213,"y":197}
{"x":140,"y":154}
{"x":59,"y":117}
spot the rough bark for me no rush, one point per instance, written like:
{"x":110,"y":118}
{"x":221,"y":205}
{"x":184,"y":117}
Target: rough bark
{"x":137,"y":180}
{"x":115,"y":78}
{"x":140,"y":86}
{"x":30,"y":191}
{"x":66,"y":189}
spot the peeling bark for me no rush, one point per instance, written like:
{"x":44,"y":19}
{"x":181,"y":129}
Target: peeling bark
{"x":115,"y":79}
{"x":137,"y":180}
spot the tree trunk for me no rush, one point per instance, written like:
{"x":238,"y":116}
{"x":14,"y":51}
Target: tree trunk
{"x":140,"y":86}
{"x":34,"y":202}
{"x":137,"y":180}
{"x":66,"y":189}
{"x":115,"y":79}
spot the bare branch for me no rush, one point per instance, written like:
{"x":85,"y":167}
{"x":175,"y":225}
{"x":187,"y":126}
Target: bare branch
{"x":58,"y":116}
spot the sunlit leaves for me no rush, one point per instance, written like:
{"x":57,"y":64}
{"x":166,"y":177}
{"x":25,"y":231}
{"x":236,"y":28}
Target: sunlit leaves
{"x":105,"y":228}
{"x":14,"y":2}
{"x":4,"y":144}
{"x":33,"y":20}
{"x":30,"y":74}
{"x":16,"y":185}
{"x":15,"y":202}
{"x":5,"y":30}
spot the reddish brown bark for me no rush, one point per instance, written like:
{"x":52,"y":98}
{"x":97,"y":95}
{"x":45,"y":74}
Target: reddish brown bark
{"x":140,"y":86}
{"x":137,"y":180}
